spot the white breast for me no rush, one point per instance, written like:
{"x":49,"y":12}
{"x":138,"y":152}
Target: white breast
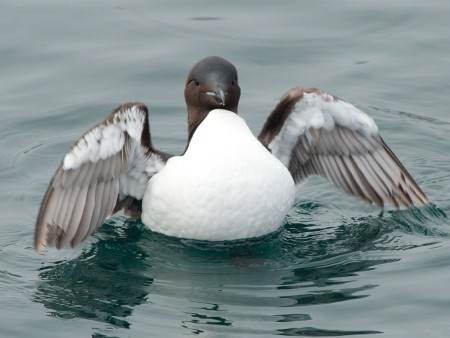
{"x":226,"y":186}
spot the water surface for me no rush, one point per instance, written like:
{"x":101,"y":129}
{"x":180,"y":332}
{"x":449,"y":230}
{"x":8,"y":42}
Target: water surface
{"x":338,"y":267}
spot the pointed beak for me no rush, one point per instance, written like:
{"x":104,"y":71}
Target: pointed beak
{"x":218,"y":95}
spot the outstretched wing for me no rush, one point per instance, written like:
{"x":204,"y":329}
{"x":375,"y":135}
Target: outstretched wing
{"x":314,"y":133}
{"x":105,"y":170}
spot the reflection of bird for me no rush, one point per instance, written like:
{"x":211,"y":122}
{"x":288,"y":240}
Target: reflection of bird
{"x":227,"y":184}
{"x":104,"y":282}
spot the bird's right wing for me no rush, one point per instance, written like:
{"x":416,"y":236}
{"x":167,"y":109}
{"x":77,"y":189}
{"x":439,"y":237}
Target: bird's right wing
{"x":107,"y":166}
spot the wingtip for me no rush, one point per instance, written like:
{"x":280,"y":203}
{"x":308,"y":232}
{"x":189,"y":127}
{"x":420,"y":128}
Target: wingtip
{"x":39,"y":246}
{"x":39,"y":242}
{"x":413,"y":200}
{"x":423,"y":201}
{"x":40,"y":238}
{"x":417,"y":196}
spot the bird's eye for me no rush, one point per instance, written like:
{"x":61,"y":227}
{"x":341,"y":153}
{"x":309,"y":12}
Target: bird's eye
{"x":233,"y":82}
{"x":197,"y":83}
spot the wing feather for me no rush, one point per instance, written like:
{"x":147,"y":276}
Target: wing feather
{"x":62,"y":215}
{"x":369,"y":182}
{"x":347,"y":178}
{"x":340,"y":175}
{"x":87,"y":183}
{"x":77,"y":213}
{"x":99,"y":201}
{"x":376,"y":174}
{"x":86,"y":218}
{"x":354,"y":178}
{"x":361,"y":182}
{"x":314,"y":133}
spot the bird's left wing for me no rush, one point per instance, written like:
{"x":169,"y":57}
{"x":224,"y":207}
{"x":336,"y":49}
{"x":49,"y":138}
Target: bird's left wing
{"x":313,"y":133}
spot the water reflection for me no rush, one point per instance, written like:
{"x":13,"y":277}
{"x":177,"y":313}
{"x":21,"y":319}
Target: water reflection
{"x":104,"y":283}
{"x":315,"y":332}
{"x":239,"y":287}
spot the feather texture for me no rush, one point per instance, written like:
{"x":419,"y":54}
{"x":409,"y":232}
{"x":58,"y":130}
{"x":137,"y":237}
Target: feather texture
{"x":314,"y":133}
{"x":86,"y":186}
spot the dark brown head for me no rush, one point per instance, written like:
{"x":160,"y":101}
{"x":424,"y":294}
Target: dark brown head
{"x":211,"y":83}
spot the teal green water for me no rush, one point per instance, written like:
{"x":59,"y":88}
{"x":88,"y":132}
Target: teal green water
{"x":338,"y":267}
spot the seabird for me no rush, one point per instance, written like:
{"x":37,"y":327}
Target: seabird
{"x":228,"y":184}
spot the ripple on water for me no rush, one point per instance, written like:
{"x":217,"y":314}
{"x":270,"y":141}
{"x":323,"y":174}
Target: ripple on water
{"x":266,"y":285}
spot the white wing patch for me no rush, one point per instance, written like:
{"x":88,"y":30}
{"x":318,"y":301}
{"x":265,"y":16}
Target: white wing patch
{"x":105,"y":139}
{"x":318,"y":110}
{"x":133,"y":181}
{"x":113,"y":158}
